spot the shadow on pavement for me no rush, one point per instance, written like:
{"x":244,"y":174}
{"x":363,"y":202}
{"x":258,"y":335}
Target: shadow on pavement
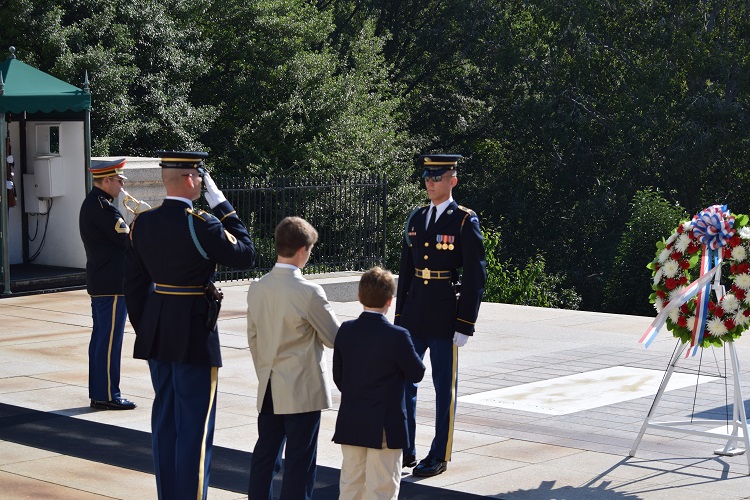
{"x":131,"y":449}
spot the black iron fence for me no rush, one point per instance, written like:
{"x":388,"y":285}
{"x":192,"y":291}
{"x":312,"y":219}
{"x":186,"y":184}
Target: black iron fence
{"x":348,"y":213}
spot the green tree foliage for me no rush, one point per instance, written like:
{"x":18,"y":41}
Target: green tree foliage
{"x":563,"y":110}
{"x":142,"y":58}
{"x":531,"y":285}
{"x":628,"y":284}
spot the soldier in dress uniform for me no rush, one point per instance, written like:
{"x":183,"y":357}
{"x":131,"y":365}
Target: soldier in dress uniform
{"x":168,"y":288}
{"x":105,"y":238}
{"x":441,"y":281}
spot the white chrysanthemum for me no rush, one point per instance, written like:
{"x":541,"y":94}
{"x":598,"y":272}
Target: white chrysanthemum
{"x":658,"y":304}
{"x":738,"y":253}
{"x":744,"y":233}
{"x":672,"y":238}
{"x":674,"y":314}
{"x":729,"y":303}
{"x":682,"y":243}
{"x":657,"y":276}
{"x":663,"y":256}
{"x":740,"y":319}
{"x":742,"y":281}
{"x":687,"y":226}
{"x":715,"y":327}
{"x":671,"y":268}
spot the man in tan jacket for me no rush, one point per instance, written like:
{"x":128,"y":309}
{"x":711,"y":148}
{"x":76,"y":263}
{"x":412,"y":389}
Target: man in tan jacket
{"x":289,"y":320}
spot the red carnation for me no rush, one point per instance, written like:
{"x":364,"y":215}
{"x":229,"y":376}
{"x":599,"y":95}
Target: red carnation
{"x":683,"y":280}
{"x":711,"y":305}
{"x":661,"y":294}
{"x":676,"y":256}
{"x":729,"y":324}
{"x":685,"y":264}
{"x":746,"y":312}
{"x":679,"y":229}
{"x":732,"y":268}
{"x":740,"y":293}
{"x":743,"y":268}
{"x":671,"y":283}
{"x":718,"y":311}
{"x":735,"y":240}
{"x":684,"y":308}
{"x":726,"y":252}
{"x":682,"y":321}
{"x":692,"y":248}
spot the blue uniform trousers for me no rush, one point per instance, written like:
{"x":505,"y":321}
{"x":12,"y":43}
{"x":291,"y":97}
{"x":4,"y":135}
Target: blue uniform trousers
{"x":182,"y":427}
{"x":105,"y":347}
{"x":300,"y":432}
{"x":444,"y":361}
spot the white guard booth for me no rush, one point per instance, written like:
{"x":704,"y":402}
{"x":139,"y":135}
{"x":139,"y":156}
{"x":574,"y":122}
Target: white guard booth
{"x":44,"y":159}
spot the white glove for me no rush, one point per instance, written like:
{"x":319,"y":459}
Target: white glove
{"x":460,"y":339}
{"x":213,"y":195}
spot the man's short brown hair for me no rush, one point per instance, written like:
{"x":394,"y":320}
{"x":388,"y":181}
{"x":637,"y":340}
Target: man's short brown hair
{"x":376,"y":286}
{"x":291,"y":234}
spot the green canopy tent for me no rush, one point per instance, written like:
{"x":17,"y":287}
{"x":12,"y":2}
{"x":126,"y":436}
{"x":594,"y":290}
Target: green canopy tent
{"x":24,"y":89}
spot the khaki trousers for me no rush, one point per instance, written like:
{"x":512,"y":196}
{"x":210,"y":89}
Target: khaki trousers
{"x":369,"y":473}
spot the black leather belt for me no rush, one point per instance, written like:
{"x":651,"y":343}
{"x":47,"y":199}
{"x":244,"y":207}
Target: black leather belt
{"x":179,"y":290}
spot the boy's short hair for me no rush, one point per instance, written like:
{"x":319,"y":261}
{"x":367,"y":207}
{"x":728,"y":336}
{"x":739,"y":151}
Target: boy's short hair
{"x":376,"y":286}
{"x":291,"y":234}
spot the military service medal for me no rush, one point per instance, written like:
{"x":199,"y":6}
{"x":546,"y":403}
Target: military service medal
{"x":445,"y":242}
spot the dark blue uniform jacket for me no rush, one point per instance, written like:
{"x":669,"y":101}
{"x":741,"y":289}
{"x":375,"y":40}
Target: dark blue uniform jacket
{"x":371,"y":361}
{"x":428,"y":307}
{"x":105,"y":238}
{"x":173,"y":327}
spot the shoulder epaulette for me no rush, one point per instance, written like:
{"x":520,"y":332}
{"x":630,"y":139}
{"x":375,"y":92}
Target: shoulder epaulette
{"x":468,"y":214}
{"x":103,"y":201}
{"x":467,"y":210}
{"x":200,"y":214}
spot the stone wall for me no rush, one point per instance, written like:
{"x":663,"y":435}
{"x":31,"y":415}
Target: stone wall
{"x":144,"y":183}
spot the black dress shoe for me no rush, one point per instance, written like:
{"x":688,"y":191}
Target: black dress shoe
{"x":409,"y":461}
{"x":115,"y":404}
{"x":430,"y":466}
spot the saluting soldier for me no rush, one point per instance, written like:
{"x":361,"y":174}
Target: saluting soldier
{"x":170,"y":266}
{"x":105,"y":238}
{"x":442,"y":255}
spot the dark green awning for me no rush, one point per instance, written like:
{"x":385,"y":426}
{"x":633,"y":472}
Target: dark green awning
{"x":25,"y":88}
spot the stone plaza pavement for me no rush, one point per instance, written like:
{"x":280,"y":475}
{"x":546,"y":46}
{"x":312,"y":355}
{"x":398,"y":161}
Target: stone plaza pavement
{"x":551,"y":402}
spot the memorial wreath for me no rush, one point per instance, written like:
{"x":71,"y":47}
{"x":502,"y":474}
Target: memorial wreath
{"x":684,"y":266}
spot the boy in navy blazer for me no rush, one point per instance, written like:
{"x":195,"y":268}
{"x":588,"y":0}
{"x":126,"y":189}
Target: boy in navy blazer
{"x":372,"y":359}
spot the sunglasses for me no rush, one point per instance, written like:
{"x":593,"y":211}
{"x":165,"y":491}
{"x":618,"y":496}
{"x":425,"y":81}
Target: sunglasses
{"x":434,"y":178}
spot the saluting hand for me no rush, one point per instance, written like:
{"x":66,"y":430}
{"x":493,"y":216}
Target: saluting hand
{"x":214,"y":196}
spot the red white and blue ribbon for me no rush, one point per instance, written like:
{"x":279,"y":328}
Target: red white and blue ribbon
{"x":713,"y":227}
{"x":709,"y":261}
{"x":686,"y":294}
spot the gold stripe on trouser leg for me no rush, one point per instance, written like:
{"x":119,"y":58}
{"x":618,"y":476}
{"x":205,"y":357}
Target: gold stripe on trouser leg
{"x":113,"y":321}
{"x":201,"y":466}
{"x":452,"y":416}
